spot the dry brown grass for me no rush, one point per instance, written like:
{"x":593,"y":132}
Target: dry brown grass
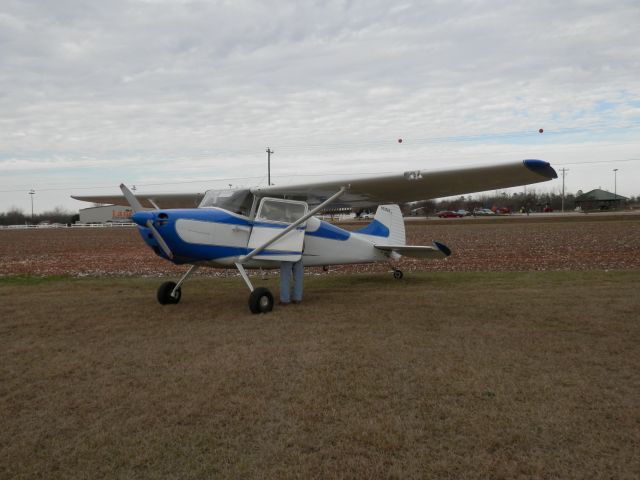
{"x":441,"y":375}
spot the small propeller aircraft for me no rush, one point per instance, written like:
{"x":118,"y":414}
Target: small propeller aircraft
{"x":263,"y":226}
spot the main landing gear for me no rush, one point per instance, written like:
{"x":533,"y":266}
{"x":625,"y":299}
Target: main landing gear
{"x":397,"y":274}
{"x":260,"y":300}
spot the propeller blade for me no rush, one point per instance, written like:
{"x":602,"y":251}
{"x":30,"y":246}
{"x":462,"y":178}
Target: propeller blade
{"x":163,"y":245}
{"x":137,"y":207}
{"x":131,"y":198}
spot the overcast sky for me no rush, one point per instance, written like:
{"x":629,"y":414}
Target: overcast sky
{"x":185,"y":96}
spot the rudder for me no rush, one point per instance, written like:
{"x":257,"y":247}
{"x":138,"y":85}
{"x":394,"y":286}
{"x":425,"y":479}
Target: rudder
{"x":387,"y":225}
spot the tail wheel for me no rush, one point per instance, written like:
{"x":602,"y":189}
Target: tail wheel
{"x":261,"y":300}
{"x":397,"y":274}
{"x":164,"y":294}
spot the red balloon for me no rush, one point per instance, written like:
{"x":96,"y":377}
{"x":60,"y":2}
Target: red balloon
{"x":541,"y":130}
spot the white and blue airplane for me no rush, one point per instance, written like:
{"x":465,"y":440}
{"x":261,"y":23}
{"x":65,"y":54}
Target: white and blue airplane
{"x":263,"y":226}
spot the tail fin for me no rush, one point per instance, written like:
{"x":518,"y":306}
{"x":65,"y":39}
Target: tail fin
{"x":387,"y":226}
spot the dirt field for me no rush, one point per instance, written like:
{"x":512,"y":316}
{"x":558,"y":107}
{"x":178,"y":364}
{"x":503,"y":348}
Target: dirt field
{"x":528,"y":369}
{"x":510,"y":244}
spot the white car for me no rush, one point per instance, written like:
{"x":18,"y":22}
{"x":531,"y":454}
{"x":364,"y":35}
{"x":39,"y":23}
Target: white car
{"x":483,"y":211}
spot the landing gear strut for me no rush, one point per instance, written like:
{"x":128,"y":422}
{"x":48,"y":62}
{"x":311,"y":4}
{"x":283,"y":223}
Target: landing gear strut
{"x":260,"y":299}
{"x":169,"y":293}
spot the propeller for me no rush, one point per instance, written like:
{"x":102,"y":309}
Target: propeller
{"x":131,"y":198}
{"x":163,"y":245}
{"x":144,"y":218}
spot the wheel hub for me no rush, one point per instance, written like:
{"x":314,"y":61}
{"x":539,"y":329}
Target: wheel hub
{"x":264,"y":302}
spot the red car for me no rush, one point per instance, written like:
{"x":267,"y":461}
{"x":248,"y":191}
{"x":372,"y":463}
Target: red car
{"x":449,"y":214}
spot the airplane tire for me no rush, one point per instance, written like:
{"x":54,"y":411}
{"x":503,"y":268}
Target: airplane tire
{"x":397,"y":274}
{"x":164,"y":294}
{"x":261,"y":300}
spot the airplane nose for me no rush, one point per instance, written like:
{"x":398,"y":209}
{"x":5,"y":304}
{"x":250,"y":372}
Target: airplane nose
{"x":141,"y":218}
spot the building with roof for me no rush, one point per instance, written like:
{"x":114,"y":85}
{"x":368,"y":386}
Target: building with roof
{"x":600,"y":200}
{"x":106,"y":214}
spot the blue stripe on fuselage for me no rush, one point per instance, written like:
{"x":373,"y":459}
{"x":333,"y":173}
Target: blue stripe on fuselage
{"x":215,"y":215}
{"x":374,"y":228}
{"x":329,"y":231}
{"x":184,"y":252}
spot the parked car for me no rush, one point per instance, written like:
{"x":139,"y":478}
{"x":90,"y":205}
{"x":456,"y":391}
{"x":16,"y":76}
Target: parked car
{"x":503,"y":211}
{"x":463,"y":212}
{"x":483,"y":211}
{"x":448,"y":214}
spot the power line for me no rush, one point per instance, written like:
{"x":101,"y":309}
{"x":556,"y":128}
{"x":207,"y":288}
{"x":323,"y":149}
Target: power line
{"x":599,"y":161}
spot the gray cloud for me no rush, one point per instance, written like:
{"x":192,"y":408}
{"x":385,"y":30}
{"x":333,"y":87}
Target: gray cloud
{"x":203,"y":87}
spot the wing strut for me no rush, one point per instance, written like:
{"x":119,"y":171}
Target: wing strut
{"x":300,"y":221}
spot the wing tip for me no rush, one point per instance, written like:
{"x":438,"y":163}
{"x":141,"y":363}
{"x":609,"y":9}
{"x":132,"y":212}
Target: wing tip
{"x":446,"y":251}
{"x":541,"y":168}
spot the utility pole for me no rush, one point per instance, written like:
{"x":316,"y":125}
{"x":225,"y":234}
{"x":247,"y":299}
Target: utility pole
{"x":32,"y":192}
{"x":563,"y":170}
{"x":269,"y":152}
{"x":615,"y":185}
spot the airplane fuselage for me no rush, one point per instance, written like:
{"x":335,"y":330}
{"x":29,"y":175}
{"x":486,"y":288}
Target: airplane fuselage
{"x":219,"y":238}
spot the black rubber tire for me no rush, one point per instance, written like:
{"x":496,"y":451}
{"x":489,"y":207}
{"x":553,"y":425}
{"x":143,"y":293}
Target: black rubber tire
{"x":261,"y":300}
{"x":397,"y":274}
{"x":164,"y":294}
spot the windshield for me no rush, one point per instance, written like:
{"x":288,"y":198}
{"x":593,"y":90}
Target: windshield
{"x":236,"y":201}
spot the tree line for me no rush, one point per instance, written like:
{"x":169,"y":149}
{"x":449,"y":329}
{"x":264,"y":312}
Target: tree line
{"x":15,"y":216}
{"x":529,"y":200}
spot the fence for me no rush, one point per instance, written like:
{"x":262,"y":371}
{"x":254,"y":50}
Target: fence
{"x":68,"y":225}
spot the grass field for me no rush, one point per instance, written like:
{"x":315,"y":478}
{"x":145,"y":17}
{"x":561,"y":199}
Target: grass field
{"x":441,"y":375}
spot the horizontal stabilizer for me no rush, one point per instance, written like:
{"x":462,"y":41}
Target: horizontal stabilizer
{"x":437,"y":251}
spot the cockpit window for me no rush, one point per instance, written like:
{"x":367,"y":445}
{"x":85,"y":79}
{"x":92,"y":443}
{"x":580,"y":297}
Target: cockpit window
{"x":236,"y":201}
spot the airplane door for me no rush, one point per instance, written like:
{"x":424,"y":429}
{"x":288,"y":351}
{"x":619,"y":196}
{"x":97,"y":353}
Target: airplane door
{"x":274,"y":215}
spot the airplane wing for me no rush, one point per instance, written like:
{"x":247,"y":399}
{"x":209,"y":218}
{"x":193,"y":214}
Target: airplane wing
{"x":416,"y":185}
{"x":438,"y":251}
{"x":162,"y":200}
{"x":363,"y":192}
